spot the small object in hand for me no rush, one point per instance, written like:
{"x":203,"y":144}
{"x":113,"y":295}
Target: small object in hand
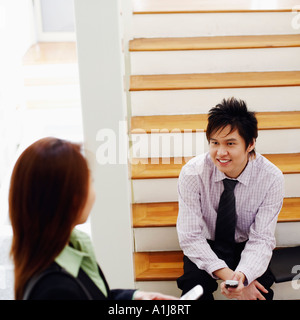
{"x":231,"y":283}
{"x":193,"y":294}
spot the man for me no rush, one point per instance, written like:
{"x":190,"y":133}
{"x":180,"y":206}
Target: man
{"x":240,"y":246}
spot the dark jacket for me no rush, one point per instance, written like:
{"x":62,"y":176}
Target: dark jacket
{"x":57,"y":284}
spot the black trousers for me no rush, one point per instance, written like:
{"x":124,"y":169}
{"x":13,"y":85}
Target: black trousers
{"x":193,"y":276}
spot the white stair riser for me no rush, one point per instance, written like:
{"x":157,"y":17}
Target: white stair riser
{"x":165,"y":190}
{"x":287,"y":290}
{"x":52,"y":104}
{"x":154,"y":190}
{"x":282,"y":291}
{"x":42,"y":123}
{"x":165,"y":287}
{"x":166,"y":102}
{"x":190,"y":144}
{"x":47,"y":117}
{"x":287,"y":234}
{"x":168,"y":145}
{"x":211,"y":61}
{"x":287,"y":141}
{"x":166,"y":239}
{"x":54,"y":92}
{"x":156,"y":239}
{"x":292,"y":185}
{"x":212,"y":24}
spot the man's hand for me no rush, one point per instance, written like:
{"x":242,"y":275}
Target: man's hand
{"x":251,"y":292}
{"x":234,"y":293}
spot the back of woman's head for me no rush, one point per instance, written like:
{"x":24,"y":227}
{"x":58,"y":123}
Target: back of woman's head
{"x":48,"y":190}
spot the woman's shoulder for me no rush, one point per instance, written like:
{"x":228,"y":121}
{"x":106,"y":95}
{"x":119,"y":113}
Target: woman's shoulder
{"x":54,"y":284}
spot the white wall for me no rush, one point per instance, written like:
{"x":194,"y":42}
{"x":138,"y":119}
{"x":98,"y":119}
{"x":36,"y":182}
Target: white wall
{"x":103,"y":99}
{"x":57,"y":15}
{"x":54,"y":20}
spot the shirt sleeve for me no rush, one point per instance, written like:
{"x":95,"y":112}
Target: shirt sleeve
{"x":257,"y":254}
{"x":190,"y":224}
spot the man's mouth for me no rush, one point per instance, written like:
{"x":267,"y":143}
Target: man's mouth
{"x":223,"y":161}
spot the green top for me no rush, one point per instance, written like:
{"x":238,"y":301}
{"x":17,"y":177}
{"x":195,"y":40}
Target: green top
{"x":81,"y":255}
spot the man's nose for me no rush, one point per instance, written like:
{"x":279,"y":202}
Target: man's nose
{"x":222,"y":151}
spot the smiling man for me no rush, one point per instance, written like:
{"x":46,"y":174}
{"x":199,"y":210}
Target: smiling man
{"x":229,"y":200}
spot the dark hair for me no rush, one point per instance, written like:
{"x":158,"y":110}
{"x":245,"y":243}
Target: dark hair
{"x":48,"y":190}
{"x":234,"y":113}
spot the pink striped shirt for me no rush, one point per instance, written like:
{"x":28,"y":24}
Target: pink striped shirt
{"x":259,"y":196}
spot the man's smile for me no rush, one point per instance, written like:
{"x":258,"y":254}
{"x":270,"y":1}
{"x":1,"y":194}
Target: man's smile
{"x":223,"y":161}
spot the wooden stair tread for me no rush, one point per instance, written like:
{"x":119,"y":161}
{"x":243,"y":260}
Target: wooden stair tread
{"x":161,"y":168}
{"x":214,"y":43}
{"x":164,"y":214}
{"x":208,"y":6}
{"x":214,"y":80}
{"x":287,"y":163}
{"x":51,"y":53}
{"x":157,"y":168}
{"x":158,"y":266}
{"x":198,"y":122}
{"x":290,"y":211}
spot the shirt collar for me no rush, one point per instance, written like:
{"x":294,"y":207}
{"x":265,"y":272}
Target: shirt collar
{"x":243,"y":178}
{"x":71,"y":257}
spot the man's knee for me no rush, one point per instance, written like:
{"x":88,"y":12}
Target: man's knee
{"x":193,"y":276}
{"x":267,"y":280}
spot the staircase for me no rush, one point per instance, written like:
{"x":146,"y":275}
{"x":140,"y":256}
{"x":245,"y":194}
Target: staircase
{"x":186,"y":56}
{"x":51,"y":92}
{"x":51,"y":107}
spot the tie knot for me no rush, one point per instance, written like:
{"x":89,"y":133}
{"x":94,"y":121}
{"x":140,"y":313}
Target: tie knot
{"x":229,"y":184}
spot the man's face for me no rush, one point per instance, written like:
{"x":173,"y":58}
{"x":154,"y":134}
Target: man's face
{"x":228,"y":151}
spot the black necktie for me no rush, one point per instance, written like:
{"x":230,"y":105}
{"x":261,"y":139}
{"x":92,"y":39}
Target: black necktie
{"x":225,"y":225}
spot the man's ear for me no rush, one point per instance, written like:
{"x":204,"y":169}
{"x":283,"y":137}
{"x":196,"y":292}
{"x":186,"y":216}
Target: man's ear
{"x":251,"y":145}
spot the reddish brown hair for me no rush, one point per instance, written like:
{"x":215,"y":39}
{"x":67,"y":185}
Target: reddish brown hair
{"x":48,"y":190}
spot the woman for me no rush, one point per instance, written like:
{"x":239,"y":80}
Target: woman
{"x":51,"y":192}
